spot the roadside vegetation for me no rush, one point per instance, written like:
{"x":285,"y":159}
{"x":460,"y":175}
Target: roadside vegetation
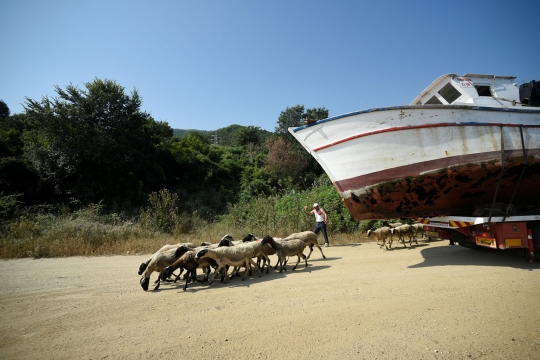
{"x":89,"y":173}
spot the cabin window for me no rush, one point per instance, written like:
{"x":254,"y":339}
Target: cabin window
{"x":483,"y":90}
{"x":433,"y":101}
{"x":449,"y":93}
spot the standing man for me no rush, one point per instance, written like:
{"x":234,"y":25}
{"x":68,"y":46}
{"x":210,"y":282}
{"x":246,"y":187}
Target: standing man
{"x":321,"y":219}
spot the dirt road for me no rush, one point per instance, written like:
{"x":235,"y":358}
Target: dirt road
{"x":432,"y":301}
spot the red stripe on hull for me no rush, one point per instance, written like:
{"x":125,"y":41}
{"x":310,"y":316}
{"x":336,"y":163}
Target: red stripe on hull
{"x":461,"y":184}
{"x":414,"y":127}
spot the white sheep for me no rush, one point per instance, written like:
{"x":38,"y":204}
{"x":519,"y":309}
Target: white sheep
{"x":261,"y":251}
{"x":287,"y":248}
{"x":240,"y":255}
{"x":187,"y":261}
{"x":402,"y":231}
{"x":163,"y":258}
{"x":381,"y":234}
{"x":144,"y":265}
{"x":418,"y":230}
{"x":309,"y":238}
{"x":158,"y":262}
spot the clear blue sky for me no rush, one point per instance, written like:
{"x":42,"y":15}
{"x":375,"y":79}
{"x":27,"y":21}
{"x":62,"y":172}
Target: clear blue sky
{"x":207,"y":64}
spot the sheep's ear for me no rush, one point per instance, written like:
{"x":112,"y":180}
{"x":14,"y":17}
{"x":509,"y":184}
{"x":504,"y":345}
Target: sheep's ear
{"x":142,"y":268}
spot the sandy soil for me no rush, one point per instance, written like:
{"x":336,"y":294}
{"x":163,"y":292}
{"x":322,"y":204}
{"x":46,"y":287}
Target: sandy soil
{"x":432,"y":301}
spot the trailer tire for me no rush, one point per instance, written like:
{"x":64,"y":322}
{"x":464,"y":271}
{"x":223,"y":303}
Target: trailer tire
{"x":460,"y":239}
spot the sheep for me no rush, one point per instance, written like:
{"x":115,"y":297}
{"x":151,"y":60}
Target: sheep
{"x":403,"y":230}
{"x":309,"y":238}
{"x":234,"y":256}
{"x":158,"y":262}
{"x":226,"y":240}
{"x":418,"y":229}
{"x":381,"y":234}
{"x":144,"y":265}
{"x":287,"y":248}
{"x":261,"y":251}
{"x":161,"y":259}
{"x":187,"y":261}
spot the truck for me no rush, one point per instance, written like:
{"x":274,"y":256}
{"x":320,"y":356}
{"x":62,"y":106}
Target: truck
{"x":520,"y":233}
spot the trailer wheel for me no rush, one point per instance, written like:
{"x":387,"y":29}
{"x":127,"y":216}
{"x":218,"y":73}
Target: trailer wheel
{"x":460,"y":239}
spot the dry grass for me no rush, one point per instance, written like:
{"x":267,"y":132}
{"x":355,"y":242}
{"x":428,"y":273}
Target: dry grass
{"x":87,"y":238}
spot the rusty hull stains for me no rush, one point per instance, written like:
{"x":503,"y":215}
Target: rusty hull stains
{"x":452,"y":191}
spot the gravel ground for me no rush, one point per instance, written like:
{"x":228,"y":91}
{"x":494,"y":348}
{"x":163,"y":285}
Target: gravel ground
{"x":431,"y":301}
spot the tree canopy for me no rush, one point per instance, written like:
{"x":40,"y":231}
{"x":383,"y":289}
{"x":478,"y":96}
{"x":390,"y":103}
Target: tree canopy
{"x":94,"y":143}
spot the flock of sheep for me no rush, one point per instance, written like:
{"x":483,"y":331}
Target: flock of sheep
{"x":241,"y":254}
{"x":227,"y":253}
{"x":385,"y":234}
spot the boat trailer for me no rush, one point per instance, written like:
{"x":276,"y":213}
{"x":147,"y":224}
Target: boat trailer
{"x":495,"y":232}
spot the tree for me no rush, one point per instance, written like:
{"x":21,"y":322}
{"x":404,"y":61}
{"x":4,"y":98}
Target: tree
{"x":284,"y":163}
{"x":290,"y":117}
{"x":316,"y":113}
{"x":247,"y":135}
{"x":94,"y":143}
{"x":4,"y":110}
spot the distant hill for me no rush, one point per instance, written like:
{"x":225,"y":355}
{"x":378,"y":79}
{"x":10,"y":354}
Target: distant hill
{"x":226,"y":136}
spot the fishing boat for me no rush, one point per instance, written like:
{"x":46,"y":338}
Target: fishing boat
{"x":465,"y":143}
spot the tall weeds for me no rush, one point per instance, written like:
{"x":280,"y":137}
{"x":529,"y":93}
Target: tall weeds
{"x":45,"y":231}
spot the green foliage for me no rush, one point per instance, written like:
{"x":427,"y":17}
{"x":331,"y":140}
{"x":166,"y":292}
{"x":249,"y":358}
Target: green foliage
{"x":295,"y":115}
{"x":162,"y":214}
{"x":208,"y":172}
{"x":9,"y":206}
{"x":4,"y":110}
{"x":232,"y":135}
{"x":282,"y":214}
{"x":85,"y":232}
{"x":95,"y":143}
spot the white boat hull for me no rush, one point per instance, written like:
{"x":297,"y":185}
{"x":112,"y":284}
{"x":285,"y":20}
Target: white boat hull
{"x":413,"y":161}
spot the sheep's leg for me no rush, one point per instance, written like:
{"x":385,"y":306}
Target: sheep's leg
{"x":246,"y":264}
{"x":324,"y":257}
{"x":256,"y":267}
{"x":207,"y":273}
{"x":157,"y":286}
{"x":266,"y":258}
{"x":305,"y":258}
{"x":178,"y":276}
{"x":259,"y":257}
{"x":283,"y":263}
{"x":298,"y":255}
{"x":215,"y":273}
{"x":190,"y":274}
{"x":310,"y":250}
{"x":403,"y":241}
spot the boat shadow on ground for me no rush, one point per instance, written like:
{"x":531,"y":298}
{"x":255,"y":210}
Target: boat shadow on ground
{"x":459,"y":256}
{"x":236,"y":281}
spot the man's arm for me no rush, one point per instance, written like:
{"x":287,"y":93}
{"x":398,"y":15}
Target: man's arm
{"x":325,"y":216}
{"x":306,"y":210}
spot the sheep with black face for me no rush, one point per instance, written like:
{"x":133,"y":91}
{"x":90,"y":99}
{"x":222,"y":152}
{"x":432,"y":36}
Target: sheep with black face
{"x":286,"y":248}
{"x":240,"y":255}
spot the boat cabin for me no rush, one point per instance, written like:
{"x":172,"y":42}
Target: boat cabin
{"x":471,"y":90}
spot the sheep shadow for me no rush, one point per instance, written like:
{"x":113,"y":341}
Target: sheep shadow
{"x":255,"y":279}
{"x":460,"y":256}
{"x":409,"y":247}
